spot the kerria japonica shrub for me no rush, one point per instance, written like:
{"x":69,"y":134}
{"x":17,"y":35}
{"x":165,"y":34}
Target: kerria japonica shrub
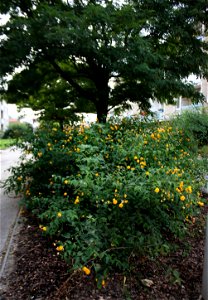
{"x":108,"y":192}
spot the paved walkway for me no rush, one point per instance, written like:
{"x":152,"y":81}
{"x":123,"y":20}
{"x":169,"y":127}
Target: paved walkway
{"x":8,"y":203}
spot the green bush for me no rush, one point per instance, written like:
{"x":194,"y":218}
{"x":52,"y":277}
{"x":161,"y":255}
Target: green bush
{"x":195,"y":124}
{"x":109,"y":192}
{"x":17,"y":130}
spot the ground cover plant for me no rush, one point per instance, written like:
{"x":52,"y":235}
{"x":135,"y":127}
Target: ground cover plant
{"x":108,"y":192}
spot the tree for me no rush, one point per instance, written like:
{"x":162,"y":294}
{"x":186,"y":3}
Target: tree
{"x":145,"y":48}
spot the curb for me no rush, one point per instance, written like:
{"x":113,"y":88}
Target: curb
{"x":8,"y":245}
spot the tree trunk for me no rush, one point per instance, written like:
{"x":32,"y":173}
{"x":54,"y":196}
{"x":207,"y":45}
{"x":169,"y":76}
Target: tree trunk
{"x":102,"y":110}
{"x":102,"y":99}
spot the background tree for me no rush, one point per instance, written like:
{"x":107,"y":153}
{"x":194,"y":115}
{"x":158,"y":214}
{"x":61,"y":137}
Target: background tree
{"x":145,"y":48}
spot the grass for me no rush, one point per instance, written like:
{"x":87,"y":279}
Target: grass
{"x":6,"y":143}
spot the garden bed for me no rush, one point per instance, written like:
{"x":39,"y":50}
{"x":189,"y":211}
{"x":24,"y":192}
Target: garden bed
{"x":40,"y":273}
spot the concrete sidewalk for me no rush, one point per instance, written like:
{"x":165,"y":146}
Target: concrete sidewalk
{"x":8,"y":203}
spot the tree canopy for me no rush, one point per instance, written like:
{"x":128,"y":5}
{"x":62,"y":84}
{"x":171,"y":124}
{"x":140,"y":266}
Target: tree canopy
{"x":95,"y":55}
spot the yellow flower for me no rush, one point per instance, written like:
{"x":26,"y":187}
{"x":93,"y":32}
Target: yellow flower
{"x":145,"y":142}
{"x":78,"y":150}
{"x":86,"y":270}
{"x":103,"y":282}
{"x":40,"y":154}
{"x":121,"y":205}
{"x":181,"y":183}
{"x":125,"y":196}
{"x":65,"y":181}
{"x":19,"y":178}
{"x":147,"y":173}
{"x":60,"y":248}
{"x":189,"y":189}
{"x":138,"y":161}
{"x":157,"y":190}
{"x":76,"y":201}
{"x":59,"y":214}
{"x":65,"y":194}
{"x":28,"y":192}
{"x":44,"y":228}
{"x":200,"y":203}
{"x":116,"y":191}
{"x":182,"y":198}
{"x":49,"y":144}
{"x":135,"y":157}
{"x":128,"y":167}
{"x":115,"y":201}
{"x":97,"y":174}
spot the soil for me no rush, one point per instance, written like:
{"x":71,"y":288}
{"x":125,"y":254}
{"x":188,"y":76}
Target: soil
{"x":40,"y":274}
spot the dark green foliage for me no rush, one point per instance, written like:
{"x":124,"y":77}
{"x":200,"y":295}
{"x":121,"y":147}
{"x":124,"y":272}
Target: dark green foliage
{"x":17,"y":130}
{"x":195,"y":124}
{"x":75,"y":48}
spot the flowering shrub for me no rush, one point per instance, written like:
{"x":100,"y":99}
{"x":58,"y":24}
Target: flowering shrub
{"x":108,"y":192}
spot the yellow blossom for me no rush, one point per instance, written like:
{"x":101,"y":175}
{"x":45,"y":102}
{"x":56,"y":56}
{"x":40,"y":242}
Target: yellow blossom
{"x":28,"y":192}
{"x":40,"y":154}
{"x":49,"y":144}
{"x":60,"y":248}
{"x":76,"y":201}
{"x":115,"y":201}
{"x":200,"y":203}
{"x":128,"y":167}
{"x":147,"y":173}
{"x":157,"y":190}
{"x":19,"y":178}
{"x":125,"y":196}
{"x":44,"y":228}
{"x":135,"y":157}
{"x":182,"y":198}
{"x":97,"y":174}
{"x":86,"y":270}
{"x":65,"y":194}
{"x":121,"y":205}
{"x":65,"y":181}
{"x":59,"y":214}
{"x":189,"y":189}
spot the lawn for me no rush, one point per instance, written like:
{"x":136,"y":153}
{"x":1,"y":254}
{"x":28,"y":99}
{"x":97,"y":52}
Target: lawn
{"x":5,"y":143}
